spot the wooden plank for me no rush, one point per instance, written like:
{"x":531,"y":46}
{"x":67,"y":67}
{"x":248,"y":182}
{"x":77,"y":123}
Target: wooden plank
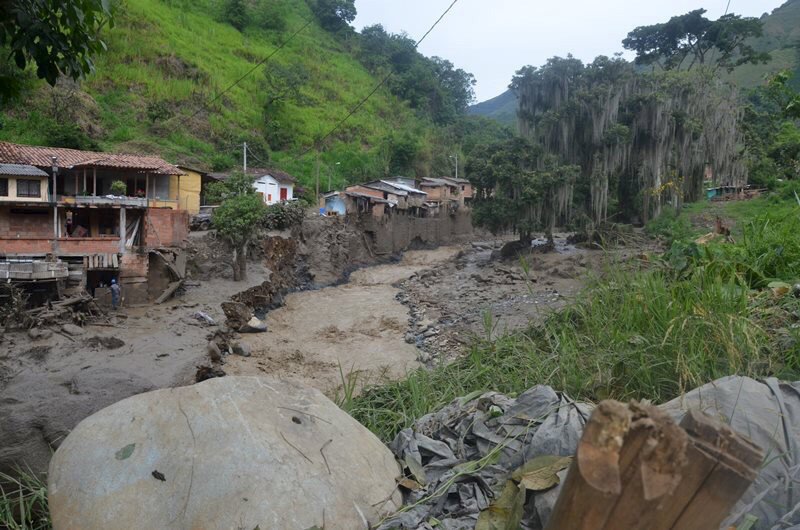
{"x":651,"y":478}
{"x":593,"y":483}
{"x":169,"y":292}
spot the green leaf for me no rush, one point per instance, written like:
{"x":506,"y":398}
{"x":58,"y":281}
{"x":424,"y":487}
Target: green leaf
{"x":125,"y":452}
{"x":541,"y":473}
{"x":416,"y":470}
{"x":506,"y":513}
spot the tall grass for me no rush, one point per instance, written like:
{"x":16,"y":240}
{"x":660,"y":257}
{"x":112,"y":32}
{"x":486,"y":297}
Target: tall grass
{"x":23,"y":503}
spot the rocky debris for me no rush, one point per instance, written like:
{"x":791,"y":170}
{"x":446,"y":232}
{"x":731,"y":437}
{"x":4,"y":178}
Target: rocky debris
{"x":214,"y":352}
{"x":73,"y":330}
{"x":204,"y":373}
{"x":204,"y":318}
{"x":241,"y":348}
{"x":39,"y":334}
{"x":177,"y":455}
{"x":109,"y":343}
{"x":254,"y":325}
{"x":237,"y":314}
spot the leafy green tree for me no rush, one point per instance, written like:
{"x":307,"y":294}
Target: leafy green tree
{"x":60,"y":38}
{"x":722,"y":43}
{"x":235,"y":13}
{"x":238,"y":219}
{"x":520,"y":188}
{"x":335,"y":15}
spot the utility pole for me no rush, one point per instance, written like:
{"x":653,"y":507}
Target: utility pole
{"x":456,"y":158}
{"x":245,"y":158}
{"x":54,"y":197}
{"x":335,"y":167}
{"x":318,"y":173}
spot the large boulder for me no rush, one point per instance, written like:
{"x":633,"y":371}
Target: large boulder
{"x":226,"y":453}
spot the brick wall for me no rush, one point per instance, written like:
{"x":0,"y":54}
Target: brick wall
{"x":134,"y":265}
{"x":26,"y":225}
{"x":25,"y":247}
{"x":88,"y":245}
{"x":165,"y":227}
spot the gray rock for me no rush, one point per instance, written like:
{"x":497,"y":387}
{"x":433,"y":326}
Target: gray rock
{"x":245,"y":451}
{"x":73,"y":330}
{"x":411,"y":338}
{"x":39,"y":334}
{"x":255,"y":325}
{"x":242,"y":348}
{"x":214,"y":352}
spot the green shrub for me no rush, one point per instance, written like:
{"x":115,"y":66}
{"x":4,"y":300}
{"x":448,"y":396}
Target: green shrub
{"x":119,"y":188}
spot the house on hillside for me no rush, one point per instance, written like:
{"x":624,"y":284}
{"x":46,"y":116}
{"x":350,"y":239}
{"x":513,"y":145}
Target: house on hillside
{"x":274,"y":185}
{"x":465,"y":191}
{"x":399,"y":195}
{"x":57,"y":205}
{"x":341,"y":203}
{"x":440,"y":190}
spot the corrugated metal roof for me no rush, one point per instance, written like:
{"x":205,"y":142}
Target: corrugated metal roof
{"x":21,"y":170}
{"x":278,"y":174}
{"x":72,"y":158}
{"x":405,"y":188}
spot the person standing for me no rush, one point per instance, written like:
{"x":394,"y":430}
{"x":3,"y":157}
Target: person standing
{"x":116,"y":294}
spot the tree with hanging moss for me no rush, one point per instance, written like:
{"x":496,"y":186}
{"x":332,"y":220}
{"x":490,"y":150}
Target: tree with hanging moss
{"x":520,"y":188}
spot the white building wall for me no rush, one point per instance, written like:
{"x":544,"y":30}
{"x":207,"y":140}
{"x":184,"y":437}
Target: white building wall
{"x":270,"y":189}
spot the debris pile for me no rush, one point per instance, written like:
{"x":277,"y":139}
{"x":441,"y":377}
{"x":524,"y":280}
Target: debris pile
{"x":468,"y":461}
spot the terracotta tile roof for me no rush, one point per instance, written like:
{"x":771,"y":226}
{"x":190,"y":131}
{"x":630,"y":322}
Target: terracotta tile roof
{"x":41,"y":157}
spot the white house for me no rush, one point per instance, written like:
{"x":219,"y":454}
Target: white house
{"x":273,"y":185}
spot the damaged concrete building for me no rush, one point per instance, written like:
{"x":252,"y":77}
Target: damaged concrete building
{"x":90,"y":217}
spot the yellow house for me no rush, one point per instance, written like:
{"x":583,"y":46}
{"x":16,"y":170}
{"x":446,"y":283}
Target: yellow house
{"x":21,"y":183}
{"x":187,"y":189}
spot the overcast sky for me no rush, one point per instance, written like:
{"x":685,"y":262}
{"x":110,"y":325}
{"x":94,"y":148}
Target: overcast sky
{"x":494,"y":38}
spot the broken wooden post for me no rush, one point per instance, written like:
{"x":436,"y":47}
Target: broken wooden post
{"x":635,"y":469}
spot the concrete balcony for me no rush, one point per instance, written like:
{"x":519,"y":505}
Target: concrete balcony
{"x":115,"y":202}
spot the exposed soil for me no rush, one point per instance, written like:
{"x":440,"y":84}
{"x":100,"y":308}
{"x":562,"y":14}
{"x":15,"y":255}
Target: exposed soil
{"x":392,"y":318}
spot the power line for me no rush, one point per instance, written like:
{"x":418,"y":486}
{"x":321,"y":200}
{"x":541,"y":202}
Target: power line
{"x":253,"y":69}
{"x":377,"y":87}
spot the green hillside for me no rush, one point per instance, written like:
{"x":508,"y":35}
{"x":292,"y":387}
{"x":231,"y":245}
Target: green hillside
{"x":502,"y":108}
{"x":781,"y":39}
{"x":167,"y":58}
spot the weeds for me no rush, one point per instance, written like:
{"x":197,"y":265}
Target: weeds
{"x":23,"y":503}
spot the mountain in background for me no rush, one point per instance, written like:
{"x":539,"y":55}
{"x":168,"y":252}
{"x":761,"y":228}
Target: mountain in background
{"x":781,"y":39}
{"x":502,"y":108}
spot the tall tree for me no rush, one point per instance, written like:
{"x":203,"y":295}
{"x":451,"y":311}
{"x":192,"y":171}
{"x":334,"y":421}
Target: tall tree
{"x":691,"y":39}
{"x":335,"y":15}
{"x":520,"y":188}
{"x":238,"y":219}
{"x":60,"y":38}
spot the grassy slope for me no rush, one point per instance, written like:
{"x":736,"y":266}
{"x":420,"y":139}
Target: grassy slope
{"x":782,"y":40}
{"x":139,"y":69}
{"x":502,"y":108}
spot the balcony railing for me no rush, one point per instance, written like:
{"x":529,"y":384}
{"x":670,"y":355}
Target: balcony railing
{"x":110,"y":200}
